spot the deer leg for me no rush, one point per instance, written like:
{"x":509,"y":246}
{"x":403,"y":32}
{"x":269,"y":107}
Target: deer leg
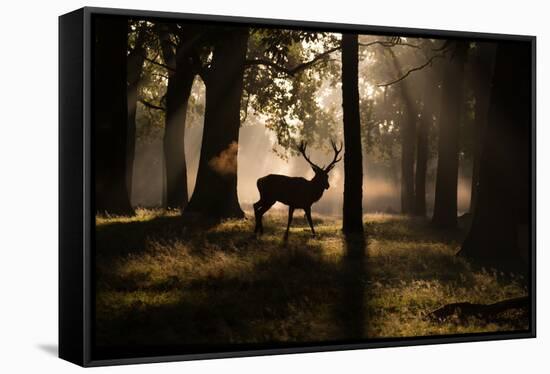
{"x":259,"y":213}
{"x":290,"y":213}
{"x":257,"y":206}
{"x":308,"y":216}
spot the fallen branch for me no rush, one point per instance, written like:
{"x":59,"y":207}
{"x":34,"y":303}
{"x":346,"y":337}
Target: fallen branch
{"x":483,"y":311}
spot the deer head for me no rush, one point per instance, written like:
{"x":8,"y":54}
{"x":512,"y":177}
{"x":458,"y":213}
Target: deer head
{"x":321,"y":173}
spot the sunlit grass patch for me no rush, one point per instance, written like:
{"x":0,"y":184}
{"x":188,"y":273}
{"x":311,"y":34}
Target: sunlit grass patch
{"x":400,"y":310}
{"x":163,"y":279}
{"x":141,"y":215}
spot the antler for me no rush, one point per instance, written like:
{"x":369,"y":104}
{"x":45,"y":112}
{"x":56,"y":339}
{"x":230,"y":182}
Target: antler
{"x":302,"y":149}
{"x":336,"y":153}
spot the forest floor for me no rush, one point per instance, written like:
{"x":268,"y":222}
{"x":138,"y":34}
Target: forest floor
{"x":163,"y":281}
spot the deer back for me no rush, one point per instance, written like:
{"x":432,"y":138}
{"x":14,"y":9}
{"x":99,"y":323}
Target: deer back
{"x":293,"y":191}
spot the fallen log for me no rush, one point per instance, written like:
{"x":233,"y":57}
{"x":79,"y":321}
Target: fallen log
{"x":484,"y":311}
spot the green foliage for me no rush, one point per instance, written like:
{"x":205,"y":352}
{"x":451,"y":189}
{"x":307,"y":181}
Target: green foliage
{"x":152,"y":88}
{"x":288,"y":103}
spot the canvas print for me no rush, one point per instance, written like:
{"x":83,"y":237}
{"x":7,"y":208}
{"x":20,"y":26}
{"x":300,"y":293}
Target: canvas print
{"x":267,"y":186}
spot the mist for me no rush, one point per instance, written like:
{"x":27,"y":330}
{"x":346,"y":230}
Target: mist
{"x":256,"y":158}
{"x":259,"y":153}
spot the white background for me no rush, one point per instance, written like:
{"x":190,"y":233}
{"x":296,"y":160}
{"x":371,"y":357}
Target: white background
{"x":28,"y":188}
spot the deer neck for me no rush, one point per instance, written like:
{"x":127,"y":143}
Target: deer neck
{"x":317,"y":188}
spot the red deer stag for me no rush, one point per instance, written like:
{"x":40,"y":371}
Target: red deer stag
{"x":297,"y":193}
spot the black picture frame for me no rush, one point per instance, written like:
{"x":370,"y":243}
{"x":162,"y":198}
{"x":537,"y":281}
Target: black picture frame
{"x":76,"y":213}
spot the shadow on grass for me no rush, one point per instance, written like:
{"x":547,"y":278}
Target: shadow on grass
{"x":286,"y":297}
{"x":351,"y":310}
{"x":121,"y":238}
{"x":413,"y":229}
{"x":166,"y":281}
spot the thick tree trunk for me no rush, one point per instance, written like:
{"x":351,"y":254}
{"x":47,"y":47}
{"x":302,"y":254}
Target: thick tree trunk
{"x":353,"y":165}
{"x":180,"y":82}
{"x":135,"y":69}
{"x":499,"y":234}
{"x":445,"y":208}
{"x":482,"y":75}
{"x":111,"y":115}
{"x":215,"y":193}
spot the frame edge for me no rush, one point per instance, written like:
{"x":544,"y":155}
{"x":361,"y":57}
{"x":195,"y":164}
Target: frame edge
{"x":71,"y":256}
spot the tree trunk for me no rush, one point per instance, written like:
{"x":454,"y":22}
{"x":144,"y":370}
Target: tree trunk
{"x":180,"y":82}
{"x":429,"y":117}
{"x":110,"y":115}
{"x":499,"y":234}
{"x":422,"y":136}
{"x":408,"y":130}
{"x":407,"y":161}
{"x":215,"y":193}
{"x":353,"y":165}
{"x":136,"y":59}
{"x":482,"y":75}
{"x":445,"y":207}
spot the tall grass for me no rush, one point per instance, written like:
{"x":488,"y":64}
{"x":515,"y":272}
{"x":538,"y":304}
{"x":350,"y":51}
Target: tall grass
{"x":162,"y":280}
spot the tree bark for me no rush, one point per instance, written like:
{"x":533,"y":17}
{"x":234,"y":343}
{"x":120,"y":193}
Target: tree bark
{"x":408,"y":130}
{"x":136,"y":59}
{"x":445,"y":207}
{"x":499,"y":234}
{"x":353,"y":165}
{"x":482,"y":76}
{"x":422,"y":136}
{"x":110,"y":115}
{"x":215,"y":193}
{"x":180,"y":82}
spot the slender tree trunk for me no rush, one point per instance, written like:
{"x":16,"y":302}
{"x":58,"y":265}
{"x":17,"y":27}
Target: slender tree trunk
{"x":500,"y":229}
{"x":180,"y":82}
{"x":408,"y":130}
{"x":407,"y":162}
{"x":135,"y":69}
{"x":445,"y":208}
{"x":353,"y":165}
{"x":482,"y":76}
{"x":430,"y":109}
{"x":215,"y":193}
{"x":422,"y":137}
{"x":111,"y":115}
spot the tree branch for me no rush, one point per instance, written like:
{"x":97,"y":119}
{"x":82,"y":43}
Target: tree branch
{"x":388,"y":44}
{"x":410,"y":71}
{"x":160,"y":75}
{"x":291,"y":72}
{"x":246,"y":107}
{"x":150,"y":105}
{"x":159,"y":64}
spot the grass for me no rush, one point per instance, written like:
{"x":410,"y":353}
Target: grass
{"x":162,"y":281}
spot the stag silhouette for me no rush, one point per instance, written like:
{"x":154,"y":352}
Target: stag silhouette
{"x":296,"y":192}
